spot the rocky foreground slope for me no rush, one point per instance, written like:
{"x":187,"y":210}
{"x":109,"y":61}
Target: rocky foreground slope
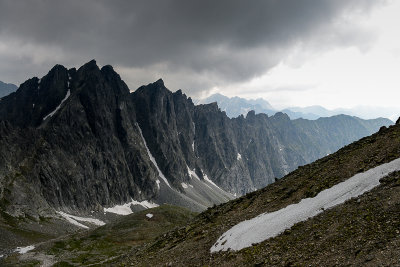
{"x":363,"y":231}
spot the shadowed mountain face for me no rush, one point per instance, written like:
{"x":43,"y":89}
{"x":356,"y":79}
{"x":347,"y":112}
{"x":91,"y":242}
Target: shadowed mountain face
{"x":79,"y":140}
{"x":7,"y":88}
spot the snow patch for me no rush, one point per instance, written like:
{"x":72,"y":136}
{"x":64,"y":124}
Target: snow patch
{"x":76,"y":219}
{"x":158,"y":183}
{"x":267,"y":225}
{"x":238,"y":157}
{"x":193,"y":146}
{"x":149,"y":215}
{"x":209,"y":180}
{"x":192,"y":173}
{"x":23,"y":250}
{"x":184,"y":185}
{"x":160,"y":174}
{"x":57,"y":108}
{"x":146,"y":204}
{"x":69,"y":78}
{"x":125,"y":209}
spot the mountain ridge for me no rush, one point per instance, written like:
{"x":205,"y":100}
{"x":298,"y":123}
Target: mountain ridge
{"x":87,"y":143}
{"x":236,"y":106}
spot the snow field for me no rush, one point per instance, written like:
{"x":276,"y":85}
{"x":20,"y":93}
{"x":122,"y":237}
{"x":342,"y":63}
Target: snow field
{"x":267,"y":225}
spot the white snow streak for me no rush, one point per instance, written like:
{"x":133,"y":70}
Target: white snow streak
{"x":74,"y":220}
{"x":158,"y":183}
{"x":208,"y":180}
{"x":152,"y":158}
{"x":239,"y":157}
{"x":269,"y":225}
{"x":125,"y":209}
{"x":149,"y":215}
{"x":23,"y":250}
{"x":184,"y":185}
{"x":192,"y":173}
{"x":57,"y":108}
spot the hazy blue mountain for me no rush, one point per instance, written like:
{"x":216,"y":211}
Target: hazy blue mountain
{"x":363,"y":112}
{"x":7,"y":88}
{"x":235,"y":106}
{"x":311,"y":112}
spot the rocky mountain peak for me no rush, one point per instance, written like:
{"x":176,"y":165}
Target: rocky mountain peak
{"x":98,"y":145}
{"x":160,"y":83}
{"x":92,"y":64}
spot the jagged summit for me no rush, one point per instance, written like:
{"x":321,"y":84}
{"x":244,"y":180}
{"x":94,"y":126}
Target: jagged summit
{"x":160,"y":82}
{"x":90,"y":64}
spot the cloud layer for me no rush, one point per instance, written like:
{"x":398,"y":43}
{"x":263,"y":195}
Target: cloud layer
{"x":193,"y":45}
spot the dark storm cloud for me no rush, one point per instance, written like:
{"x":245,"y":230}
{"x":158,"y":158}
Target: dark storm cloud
{"x":220,"y":41}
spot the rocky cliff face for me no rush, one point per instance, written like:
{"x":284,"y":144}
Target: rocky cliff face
{"x":79,"y":140}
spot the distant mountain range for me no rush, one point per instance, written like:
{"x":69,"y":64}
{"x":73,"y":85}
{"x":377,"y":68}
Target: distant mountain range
{"x":236,"y":106}
{"x":7,"y":88}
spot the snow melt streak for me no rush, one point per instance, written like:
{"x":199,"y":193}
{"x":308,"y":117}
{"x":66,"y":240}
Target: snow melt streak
{"x":152,"y":158}
{"x":269,"y":225}
{"x":74,"y":220}
{"x":57,"y":108}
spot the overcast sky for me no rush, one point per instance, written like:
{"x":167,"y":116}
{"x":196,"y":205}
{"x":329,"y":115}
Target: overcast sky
{"x":335,"y":53}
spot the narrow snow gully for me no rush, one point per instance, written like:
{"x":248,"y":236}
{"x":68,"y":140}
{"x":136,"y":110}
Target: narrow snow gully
{"x":160,"y":174}
{"x":267,"y":225}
